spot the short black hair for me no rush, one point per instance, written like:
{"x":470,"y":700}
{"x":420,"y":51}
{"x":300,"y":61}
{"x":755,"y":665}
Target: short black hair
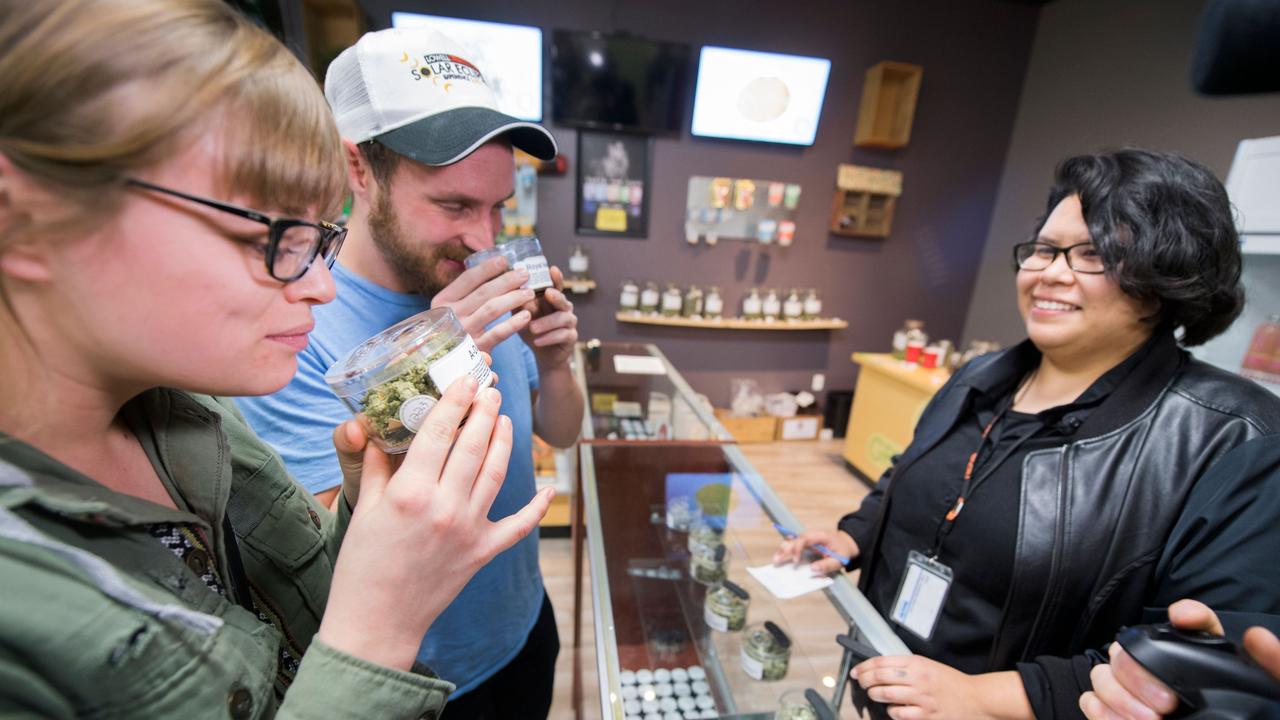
{"x":1164,"y":228}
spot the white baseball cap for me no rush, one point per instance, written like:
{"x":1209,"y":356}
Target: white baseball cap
{"x":415,"y":91}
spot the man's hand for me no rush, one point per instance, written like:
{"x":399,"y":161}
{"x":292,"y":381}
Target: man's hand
{"x":485,"y":293}
{"x":1124,"y":690}
{"x":917,"y":688}
{"x":554,"y":328}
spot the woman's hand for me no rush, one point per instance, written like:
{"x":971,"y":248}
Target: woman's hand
{"x":839,"y":541}
{"x":917,"y":688}
{"x":1124,"y":690}
{"x":419,"y":533}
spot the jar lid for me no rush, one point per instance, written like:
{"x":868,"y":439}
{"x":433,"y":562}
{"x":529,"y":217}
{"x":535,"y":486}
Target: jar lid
{"x":375,"y":359}
{"x":819,"y":705}
{"x":735,"y":589}
{"x":779,"y":636}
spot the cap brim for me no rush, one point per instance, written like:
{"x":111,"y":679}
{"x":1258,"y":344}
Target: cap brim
{"x":447,"y":137}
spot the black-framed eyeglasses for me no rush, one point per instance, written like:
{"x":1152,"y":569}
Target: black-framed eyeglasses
{"x":1035,"y":256}
{"x":292,"y":244}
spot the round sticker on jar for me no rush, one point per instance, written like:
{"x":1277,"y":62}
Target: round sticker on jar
{"x":414,"y":410}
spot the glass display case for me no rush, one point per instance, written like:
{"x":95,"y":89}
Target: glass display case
{"x":667,"y":520}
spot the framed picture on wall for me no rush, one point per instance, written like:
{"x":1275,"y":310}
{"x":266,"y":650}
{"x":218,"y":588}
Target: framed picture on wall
{"x":613,"y":184}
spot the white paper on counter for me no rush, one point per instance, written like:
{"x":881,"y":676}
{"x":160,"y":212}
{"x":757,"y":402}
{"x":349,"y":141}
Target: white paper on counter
{"x":789,"y":580}
{"x":638,"y":365}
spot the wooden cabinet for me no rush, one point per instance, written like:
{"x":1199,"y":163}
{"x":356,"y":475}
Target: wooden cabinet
{"x":864,"y":201}
{"x":887,"y":403}
{"x":888,"y":105}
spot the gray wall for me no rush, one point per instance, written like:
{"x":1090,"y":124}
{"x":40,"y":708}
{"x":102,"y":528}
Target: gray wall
{"x":974,"y":54}
{"x":1103,"y":74}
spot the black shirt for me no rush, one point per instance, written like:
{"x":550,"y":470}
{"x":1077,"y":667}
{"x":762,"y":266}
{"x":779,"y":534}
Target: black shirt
{"x":980,"y":546}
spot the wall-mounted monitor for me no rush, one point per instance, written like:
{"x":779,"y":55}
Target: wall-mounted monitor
{"x":759,"y":96}
{"x":618,"y":82}
{"x":509,"y":57}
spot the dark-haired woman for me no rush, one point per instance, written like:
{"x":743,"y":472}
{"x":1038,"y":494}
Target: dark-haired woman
{"x":1043,"y":502}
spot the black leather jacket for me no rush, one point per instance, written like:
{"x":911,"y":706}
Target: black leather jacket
{"x":1088,"y":552}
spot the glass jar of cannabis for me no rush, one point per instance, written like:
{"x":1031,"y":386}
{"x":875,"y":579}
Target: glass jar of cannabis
{"x":713,"y":304}
{"x":766,"y":652}
{"x":707,"y":564}
{"x":672,"y":301}
{"x":752,"y":305}
{"x":806,"y":704}
{"x":705,"y":532}
{"x":629,"y":297}
{"x":392,"y":380}
{"x":521,"y":252}
{"x":793,"y":306}
{"x":771,"y":306}
{"x":649,"y":298}
{"x":580,"y":263}
{"x":692,"y":306}
{"x":725,"y":607}
{"x":812,"y":305}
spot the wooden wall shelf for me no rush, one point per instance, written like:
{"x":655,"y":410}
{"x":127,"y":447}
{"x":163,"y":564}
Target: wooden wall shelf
{"x":888,"y":105}
{"x":734,"y":323}
{"x":579,"y":286}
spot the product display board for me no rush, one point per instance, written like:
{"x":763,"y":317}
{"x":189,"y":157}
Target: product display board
{"x":666,"y":524}
{"x":763,"y":211}
{"x":613,"y":180}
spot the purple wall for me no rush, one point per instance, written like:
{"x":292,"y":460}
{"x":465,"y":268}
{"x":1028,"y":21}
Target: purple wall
{"x":974,"y":54}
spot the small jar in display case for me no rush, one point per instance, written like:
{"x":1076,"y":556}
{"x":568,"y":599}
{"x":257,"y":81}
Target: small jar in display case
{"x":707,"y":564}
{"x":650,"y":298}
{"x":705,"y":532}
{"x":812,"y":305}
{"x":579,"y":264}
{"x":793,"y":306}
{"x":752,"y":305}
{"x":629,"y":297}
{"x":725,"y":607}
{"x":692,"y":307}
{"x":672,"y":301}
{"x":713,"y":304}
{"x":771,"y":306}
{"x":766,"y":652}
{"x":804,"y":704}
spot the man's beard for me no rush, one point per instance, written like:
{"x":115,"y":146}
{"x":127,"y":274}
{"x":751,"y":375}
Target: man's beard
{"x":415,"y":266}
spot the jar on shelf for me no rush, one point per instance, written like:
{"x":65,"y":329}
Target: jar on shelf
{"x":900,"y":337}
{"x":752,"y":305}
{"x":579,"y":264}
{"x":771,"y":306}
{"x":713,"y":304}
{"x":705,"y":532}
{"x":650,"y":298}
{"x":692,"y":306}
{"x":725,"y":606}
{"x":793,"y":306}
{"x":812,"y":305}
{"x":672,"y":301}
{"x":629,"y":297}
{"x":707,"y":564}
{"x":766,"y":652}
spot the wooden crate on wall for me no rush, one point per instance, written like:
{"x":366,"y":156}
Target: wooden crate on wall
{"x":864,"y":201}
{"x":888,"y":105}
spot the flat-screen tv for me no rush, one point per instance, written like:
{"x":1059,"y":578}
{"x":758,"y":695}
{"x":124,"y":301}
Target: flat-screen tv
{"x":765,"y":97}
{"x":618,"y":82}
{"x":509,"y":57}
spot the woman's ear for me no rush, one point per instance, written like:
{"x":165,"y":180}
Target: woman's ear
{"x":21,"y":256}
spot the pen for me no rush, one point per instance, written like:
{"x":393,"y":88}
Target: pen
{"x":817,"y":546}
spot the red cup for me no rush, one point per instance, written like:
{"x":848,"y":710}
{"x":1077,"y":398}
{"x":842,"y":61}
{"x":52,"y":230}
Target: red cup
{"x":914,"y":350}
{"x":929,"y":357}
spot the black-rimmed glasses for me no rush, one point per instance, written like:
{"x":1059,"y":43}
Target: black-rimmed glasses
{"x":292,"y":244}
{"x":1035,"y":256}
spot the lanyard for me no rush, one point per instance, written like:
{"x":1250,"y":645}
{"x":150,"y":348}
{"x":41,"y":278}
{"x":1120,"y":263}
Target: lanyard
{"x":988,"y":467}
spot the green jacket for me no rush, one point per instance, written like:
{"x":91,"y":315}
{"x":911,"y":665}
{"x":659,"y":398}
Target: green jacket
{"x":98,"y":619}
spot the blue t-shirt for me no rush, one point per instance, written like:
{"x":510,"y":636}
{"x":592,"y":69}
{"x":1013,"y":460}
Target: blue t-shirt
{"x":487,"y":624}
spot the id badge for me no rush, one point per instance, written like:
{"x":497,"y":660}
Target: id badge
{"x":920,"y":596}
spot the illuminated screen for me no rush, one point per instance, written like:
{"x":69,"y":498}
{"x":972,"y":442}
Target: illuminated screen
{"x":765,"y":97}
{"x":509,"y":56}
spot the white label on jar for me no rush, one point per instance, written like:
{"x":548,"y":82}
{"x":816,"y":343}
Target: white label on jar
{"x":414,"y":410}
{"x":771,"y":306}
{"x":629,"y":299}
{"x":649,"y":298}
{"x":714,"y":621}
{"x":751,"y":306}
{"x":714,"y":305}
{"x":539,"y":273}
{"x":792,"y":308}
{"x":752,"y":666}
{"x":578,"y":263}
{"x":671,"y":302}
{"x":463,"y":360}
{"x":813,"y":306}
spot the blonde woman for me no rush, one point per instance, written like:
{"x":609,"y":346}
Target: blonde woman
{"x":166,"y":170}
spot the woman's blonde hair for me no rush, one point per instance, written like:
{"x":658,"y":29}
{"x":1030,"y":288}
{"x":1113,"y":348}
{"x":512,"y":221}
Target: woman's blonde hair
{"x":92,"y":91}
